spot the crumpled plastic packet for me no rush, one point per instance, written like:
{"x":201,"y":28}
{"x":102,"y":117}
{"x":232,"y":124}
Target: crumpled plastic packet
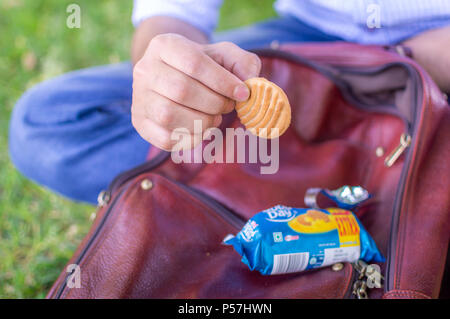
{"x":283,"y":239}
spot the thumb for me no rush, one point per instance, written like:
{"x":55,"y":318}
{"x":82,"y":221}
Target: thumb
{"x":243,"y":64}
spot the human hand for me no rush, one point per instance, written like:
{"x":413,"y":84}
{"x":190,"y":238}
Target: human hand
{"x":178,"y":81}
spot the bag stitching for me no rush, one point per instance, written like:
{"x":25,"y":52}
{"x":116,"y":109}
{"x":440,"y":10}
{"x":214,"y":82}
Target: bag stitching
{"x":408,"y":293}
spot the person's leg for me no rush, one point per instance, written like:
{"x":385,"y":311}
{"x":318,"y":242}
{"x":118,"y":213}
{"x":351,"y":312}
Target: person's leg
{"x":73,"y":134}
{"x":282,"y":30}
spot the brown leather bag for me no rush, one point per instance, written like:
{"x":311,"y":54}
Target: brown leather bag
{"x":159,"y":229}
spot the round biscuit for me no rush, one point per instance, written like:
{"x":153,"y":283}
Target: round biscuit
{"x":267,"y":112}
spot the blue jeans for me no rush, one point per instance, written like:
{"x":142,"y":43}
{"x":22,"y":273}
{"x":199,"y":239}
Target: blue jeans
{"x":73,"y":134}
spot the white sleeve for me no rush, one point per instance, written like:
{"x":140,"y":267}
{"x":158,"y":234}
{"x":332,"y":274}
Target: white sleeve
{"x":202,"y":14}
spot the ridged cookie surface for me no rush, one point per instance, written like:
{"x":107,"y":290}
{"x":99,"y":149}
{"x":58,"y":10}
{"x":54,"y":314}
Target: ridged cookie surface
{"x":267,"y":112}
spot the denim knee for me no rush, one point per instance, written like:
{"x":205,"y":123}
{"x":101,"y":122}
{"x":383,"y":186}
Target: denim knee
{"x":73,"y":134}
{"x":28,"y":137}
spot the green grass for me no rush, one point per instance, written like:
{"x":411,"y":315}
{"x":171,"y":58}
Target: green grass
{"x":38,"y":229}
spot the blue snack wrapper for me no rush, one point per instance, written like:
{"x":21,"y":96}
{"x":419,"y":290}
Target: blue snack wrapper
{"x":283,"y":240}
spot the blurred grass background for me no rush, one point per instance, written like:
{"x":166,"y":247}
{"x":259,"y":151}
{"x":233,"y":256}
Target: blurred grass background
{"x":39,"y":230}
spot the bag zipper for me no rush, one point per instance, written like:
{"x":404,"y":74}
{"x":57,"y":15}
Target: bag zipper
{"x":61,"y":289}
{"x":345,"y":90}
{"x":104,"y":196}
{"x":366,"y":277}
{"x":405,"y":142}
{"x":104,"y":199}
{"x":127,"y":175}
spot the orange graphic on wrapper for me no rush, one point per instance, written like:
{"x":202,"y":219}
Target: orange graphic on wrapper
{"x":315,"y":222}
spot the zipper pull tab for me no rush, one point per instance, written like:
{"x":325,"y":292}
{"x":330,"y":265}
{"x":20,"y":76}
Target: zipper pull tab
{"x":369,"y":277}
{"x":405,"y":142}
{"x":374,"y":277}
{"x":360,"y":289}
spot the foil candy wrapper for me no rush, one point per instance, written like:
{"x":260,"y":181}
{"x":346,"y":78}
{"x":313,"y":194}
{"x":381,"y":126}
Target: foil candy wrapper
{"x":347,"y":197}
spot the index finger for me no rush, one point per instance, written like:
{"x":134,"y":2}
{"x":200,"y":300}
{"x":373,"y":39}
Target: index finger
{"x":188,"y":57}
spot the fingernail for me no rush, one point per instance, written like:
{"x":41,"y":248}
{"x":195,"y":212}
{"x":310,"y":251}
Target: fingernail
{"x":241,"y":92}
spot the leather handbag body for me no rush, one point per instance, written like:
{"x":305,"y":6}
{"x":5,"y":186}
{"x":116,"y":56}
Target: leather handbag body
{"x":361,"y":115}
